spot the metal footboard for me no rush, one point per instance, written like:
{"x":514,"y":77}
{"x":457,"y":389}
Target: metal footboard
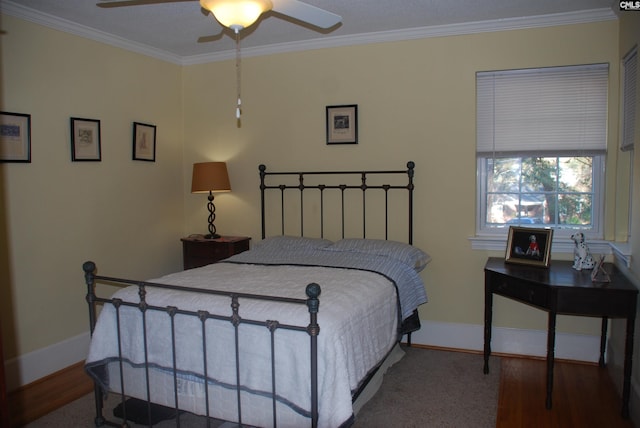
{"x":235,"y":300}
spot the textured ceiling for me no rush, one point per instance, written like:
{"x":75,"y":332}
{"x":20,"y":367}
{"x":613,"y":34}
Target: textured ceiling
{"x":179,"y":30}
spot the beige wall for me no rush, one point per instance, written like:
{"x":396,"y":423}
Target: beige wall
{"x":416,"y":101}
{"x":629,"y":37}
{"x":125,"y":215}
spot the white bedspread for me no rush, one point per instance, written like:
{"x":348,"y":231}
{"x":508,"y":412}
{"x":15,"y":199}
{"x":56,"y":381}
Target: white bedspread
{"x":358,"y":327}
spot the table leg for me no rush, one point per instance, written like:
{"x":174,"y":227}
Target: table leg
{"x":551,"y":344}
{"x":488,"y":314}
{"x":603,"y":341}
{"x":628,"y":360}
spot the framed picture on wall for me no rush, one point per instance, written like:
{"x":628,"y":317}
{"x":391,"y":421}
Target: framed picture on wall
{"x":144,"y":142}
{"x":342,"y":124}
{"x":529,"y":246}
{"x":15,"y":137}
{"x":85,"y":140}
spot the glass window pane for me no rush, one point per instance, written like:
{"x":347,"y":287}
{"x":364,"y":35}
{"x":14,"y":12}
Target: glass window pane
{"x":576,"y":174}
{"x":539,"y":174}
{"x":503,"y":175}
{"x":575,"y":210}
{"x":501,"y":207}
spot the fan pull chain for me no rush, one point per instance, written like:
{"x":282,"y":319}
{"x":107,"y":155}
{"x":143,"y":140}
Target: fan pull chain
{"x":238,"y":73}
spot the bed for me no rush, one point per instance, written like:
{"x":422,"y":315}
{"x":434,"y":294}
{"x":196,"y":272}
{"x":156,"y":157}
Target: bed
{"x":294,"y":332}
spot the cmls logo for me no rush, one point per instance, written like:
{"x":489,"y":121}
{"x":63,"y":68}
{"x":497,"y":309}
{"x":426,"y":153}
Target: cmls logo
{"x":630,"y":5}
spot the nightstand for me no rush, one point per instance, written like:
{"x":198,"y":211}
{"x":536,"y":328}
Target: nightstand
{"x":199,"y":251}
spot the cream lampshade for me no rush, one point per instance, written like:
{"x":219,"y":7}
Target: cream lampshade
{"x":210,"y":177}
{"x":236,"y":14}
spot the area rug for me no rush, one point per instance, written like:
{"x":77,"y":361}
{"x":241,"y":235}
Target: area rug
{"x":432,"y":388}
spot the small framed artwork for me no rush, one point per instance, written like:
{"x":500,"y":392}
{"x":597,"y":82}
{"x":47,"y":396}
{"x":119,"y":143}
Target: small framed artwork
{"x":144,"y":142}
{"x":529,"y":246}
{"x":85,"y":140}
{"x":15,"y":137}
{"x":342,"y":124}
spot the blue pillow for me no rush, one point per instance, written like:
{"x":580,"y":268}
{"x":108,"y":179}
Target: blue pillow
{"x":405,"y":253}
{"x":285,"y":242}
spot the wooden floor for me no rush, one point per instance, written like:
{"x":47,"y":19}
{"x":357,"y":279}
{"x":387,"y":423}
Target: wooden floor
{"x":583,"y":396}
{"x":48,"y":394}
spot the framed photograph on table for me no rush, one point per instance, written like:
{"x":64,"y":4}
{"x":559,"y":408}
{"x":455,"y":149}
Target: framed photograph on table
{"x":144,"y":142}
{"x":529,"y":246}
{"x":15,"y":137}
{"x":342,"y":124}
{"x":85,"y":140}
{"x":599,"y":274}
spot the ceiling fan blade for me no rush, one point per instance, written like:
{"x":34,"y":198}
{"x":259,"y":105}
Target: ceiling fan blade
{"x":122,"y":3}
{"x":211,"y":38}
{"x":306,"y":13}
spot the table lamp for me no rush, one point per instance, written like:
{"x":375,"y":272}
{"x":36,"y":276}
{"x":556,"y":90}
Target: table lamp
{"x":210,"y":177}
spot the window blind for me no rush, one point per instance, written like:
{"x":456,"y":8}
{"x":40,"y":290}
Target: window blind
{"x":542,"y":110}
{"x":629,"y":94}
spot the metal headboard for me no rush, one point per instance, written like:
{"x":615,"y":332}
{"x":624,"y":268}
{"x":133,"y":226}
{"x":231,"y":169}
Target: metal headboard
{"x":353,"y":179}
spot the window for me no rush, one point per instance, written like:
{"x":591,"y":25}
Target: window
{"x":629,"y":83}
{"x":541,"y":145}
{"x":629,"y":105}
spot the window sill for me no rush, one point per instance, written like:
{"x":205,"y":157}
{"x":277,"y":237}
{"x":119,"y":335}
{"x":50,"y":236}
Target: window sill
{"x":620,"y":250}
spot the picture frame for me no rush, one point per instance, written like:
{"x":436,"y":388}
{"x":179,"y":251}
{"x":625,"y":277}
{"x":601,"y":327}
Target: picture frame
{"x":15,"y":137}
{"x":529,"y":246}
{"x":85,"y":140}
{"x":342,"y":124}
{"x":599,"y":274}
{"x":144,"y":142}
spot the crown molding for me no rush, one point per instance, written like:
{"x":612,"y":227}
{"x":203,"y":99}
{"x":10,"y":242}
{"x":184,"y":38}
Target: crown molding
{"x":582,"y":17}
{"x":594,"y":15}
{"x":18,"y":11}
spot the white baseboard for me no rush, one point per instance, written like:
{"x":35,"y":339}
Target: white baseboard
{"x":577,"y":347}
{"x":30,"y":367}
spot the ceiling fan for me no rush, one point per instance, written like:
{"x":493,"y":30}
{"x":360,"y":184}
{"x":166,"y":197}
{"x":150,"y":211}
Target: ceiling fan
{"x":240,"y":14}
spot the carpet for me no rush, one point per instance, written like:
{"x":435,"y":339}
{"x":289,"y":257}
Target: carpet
{"x":427,"y":388}
{"x":432,"y":388}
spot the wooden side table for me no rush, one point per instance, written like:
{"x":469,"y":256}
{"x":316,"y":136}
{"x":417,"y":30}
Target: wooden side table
{"x":199,"y":251}
{"x":560,"y":289}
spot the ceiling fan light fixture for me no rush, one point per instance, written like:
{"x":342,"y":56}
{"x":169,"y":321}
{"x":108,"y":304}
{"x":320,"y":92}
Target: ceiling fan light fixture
{"x":236,"y":14}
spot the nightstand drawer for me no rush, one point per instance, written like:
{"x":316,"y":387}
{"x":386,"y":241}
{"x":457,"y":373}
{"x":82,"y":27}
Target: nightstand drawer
{"x":204,"y":250}
{"x":535,"y":295}
{"x":199,"y":251}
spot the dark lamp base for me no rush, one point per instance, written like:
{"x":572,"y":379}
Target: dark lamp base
{"x":210,"y":236}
